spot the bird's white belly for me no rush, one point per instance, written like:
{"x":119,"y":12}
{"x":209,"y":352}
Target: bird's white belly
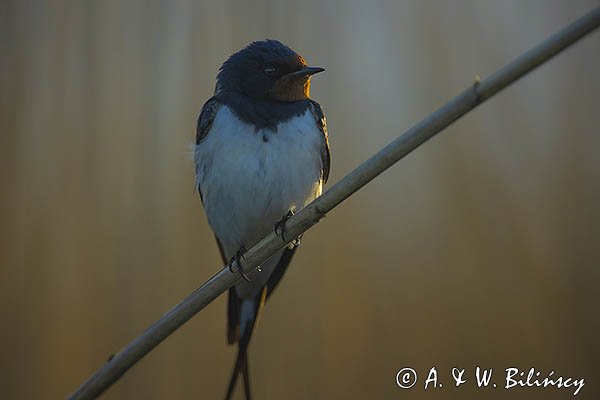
{"x":250,"y":179}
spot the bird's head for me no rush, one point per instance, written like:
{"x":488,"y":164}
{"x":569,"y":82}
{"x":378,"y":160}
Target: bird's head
{"x":267,"y":70}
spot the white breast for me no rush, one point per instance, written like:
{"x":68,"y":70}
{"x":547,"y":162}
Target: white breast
{"x":250,"y":179}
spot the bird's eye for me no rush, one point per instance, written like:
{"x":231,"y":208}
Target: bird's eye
{"x":270,"y":70}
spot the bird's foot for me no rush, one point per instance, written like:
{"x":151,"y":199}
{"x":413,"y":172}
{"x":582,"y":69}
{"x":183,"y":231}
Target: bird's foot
{"x":236,"y":260}
{"x":296,"y":241}
{"x":280,"y":229}
{"x":280,"y":225}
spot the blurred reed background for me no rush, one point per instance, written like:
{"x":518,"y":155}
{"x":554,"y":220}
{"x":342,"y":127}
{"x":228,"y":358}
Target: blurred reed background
{"x":479,"y":249}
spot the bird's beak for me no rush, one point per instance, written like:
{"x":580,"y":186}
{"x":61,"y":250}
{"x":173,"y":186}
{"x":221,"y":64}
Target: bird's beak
{"x":306,"y":71}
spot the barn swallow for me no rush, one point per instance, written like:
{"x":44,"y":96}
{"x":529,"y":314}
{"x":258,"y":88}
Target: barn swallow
{"x":261,"y":153}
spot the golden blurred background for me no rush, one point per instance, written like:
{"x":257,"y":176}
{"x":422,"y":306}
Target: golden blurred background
{"x":478,"y":249}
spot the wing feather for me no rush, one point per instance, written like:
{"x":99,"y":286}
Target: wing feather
{"x":206,"y":118}
{"x":317,"y":112}
{"x":205,"y":121}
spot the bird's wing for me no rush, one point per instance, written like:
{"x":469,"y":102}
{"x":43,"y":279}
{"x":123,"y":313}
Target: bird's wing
{"x":206,"y":118}
{"x":317,"y":112}
{"x":279,"y":271}
{"x":205,"y":121}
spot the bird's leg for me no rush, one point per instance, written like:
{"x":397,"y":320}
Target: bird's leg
{"x":280,"y":228}
{"x":236,"y":259}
